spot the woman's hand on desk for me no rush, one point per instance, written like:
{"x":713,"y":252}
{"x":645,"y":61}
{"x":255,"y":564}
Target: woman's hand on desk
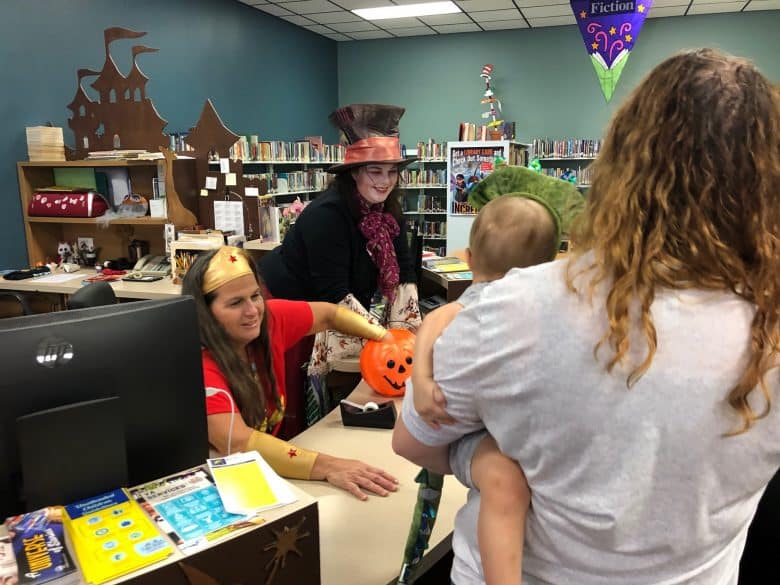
{"x":353,"y":476}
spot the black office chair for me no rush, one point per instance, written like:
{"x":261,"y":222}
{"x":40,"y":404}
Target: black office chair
{"x":93,"y":294}
{"x":26,"y":310}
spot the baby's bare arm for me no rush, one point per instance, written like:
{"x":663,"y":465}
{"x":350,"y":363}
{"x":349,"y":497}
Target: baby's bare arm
{"x":428,"y":399}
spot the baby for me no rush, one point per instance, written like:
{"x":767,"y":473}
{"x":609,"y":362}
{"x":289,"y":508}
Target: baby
{"x":511,"y":231}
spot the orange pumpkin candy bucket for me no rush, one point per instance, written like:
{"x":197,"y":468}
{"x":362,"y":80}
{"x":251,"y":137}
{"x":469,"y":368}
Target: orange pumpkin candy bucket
{"x":385,"y":365}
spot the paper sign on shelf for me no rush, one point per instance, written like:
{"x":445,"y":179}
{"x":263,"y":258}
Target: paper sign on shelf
{"x":252,"y":192}
{"x":211,"y":183}
{"x":230,"y":179}
{"x":224,"y":165}
{"x":229,"y":216}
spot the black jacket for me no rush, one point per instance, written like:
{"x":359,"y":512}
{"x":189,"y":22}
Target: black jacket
{"x":323,"y":256}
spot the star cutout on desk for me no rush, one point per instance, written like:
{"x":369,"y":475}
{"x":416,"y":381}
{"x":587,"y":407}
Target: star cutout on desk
{"x":612,"y":30}
{"x":640,"y":8}
{"x":293,"y":452}
{"x":583,"y":14}
{"x":285,"y":544}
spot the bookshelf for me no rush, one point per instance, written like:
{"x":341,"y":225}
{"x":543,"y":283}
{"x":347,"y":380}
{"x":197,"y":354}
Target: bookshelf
{"x":570,"y":155}
{"x":467,"y":163}
{"x":273,"y":173}
{"x":423,"y":186}
{"x":43,"y":234}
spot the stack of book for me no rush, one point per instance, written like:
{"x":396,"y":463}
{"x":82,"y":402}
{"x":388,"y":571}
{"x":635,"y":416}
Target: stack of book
{"x":45,"y":143}
{"x":131,"y":154}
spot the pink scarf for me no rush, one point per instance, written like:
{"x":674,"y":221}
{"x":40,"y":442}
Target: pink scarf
{"x":379,"y":228}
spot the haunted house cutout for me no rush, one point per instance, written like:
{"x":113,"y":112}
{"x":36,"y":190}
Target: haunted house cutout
{"x":122,"y":116}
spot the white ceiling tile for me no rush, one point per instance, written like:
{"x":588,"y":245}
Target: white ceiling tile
{"x":348,"y":27}
{"x":355,"y":4}
{"x":552,"y":21}
{"x":328,"y":17}
{"x":529,"y":3}
{"x":457,"y":28}
{"x":764,"y":5}
{"x":712,"y":7}
{"x":659,"y":11}
{"x":457,"y":18}
{"x":493,"y":15}
{"x":296,"y":19}
{"x":394,"y":23}
{"x":338,"y":37}
{"x":275,"y":10}
{"x":319,"y":29}
{"x":504,"y":24}
{"x":308,"y":6}
{"x":412,"y":31}
{"x":370,"y":34}
{"x":470,"y":5}
{"x":544,"y":11}
{"x":253,"y":2}
{"x":664,"y":3}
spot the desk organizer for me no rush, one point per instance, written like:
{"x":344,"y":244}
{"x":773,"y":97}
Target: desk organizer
{"x":381,"y":418}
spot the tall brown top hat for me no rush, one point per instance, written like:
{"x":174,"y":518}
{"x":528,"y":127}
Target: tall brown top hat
{"x":370,"y":132}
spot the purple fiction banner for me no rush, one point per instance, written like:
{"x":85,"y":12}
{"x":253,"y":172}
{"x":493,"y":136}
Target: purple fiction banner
{"x":610,"y":30}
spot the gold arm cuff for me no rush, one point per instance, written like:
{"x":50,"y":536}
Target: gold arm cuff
{"x":350,"y":323}
{"x":287,"y":460}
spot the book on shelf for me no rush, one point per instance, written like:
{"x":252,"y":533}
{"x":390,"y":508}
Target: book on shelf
{"x":130,"y":154}
{"x":186,"y":506}
{"x":112,"y":536}
{"x":247,"y":484}
{"x":435,"y":261}
{"x":464,"y":275}
{"x":458,"y":266}
{"x":36,"y":541}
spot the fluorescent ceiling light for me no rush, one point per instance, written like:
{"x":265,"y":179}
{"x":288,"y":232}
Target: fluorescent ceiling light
{"x":407,"y":11}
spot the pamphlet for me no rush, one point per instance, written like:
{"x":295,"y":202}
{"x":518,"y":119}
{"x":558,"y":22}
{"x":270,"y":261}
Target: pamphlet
{"x":187,"y":507}
{"x":112,"y":536}
{"x":247,"y":484}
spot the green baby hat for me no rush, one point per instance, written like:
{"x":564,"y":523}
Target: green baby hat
{"x":561,"y":198}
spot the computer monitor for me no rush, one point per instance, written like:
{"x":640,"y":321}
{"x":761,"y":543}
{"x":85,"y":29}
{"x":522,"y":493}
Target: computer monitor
{"x":145,"y":354}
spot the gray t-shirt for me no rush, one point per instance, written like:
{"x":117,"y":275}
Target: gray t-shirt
{"x":634,"y":485}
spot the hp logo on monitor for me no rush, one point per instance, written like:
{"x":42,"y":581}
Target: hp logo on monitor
{"x":53,"y":351}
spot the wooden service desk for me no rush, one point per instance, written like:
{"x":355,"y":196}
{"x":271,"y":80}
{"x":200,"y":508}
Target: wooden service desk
{"x":362,"y":543}
{"x":62,"y":283}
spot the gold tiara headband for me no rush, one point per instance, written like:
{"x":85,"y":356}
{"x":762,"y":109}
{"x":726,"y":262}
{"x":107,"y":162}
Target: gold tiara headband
{"x":227,"y":264}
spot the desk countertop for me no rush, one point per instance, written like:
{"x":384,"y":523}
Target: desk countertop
{"x":68,"y":283}
{"x":363,"y":542}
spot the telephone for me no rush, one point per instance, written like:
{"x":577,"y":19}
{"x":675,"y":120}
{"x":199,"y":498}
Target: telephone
{"x":151,"y":265}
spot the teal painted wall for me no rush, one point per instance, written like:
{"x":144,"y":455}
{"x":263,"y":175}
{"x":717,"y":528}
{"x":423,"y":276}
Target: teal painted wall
{"x":265,"y":76}
{"x":543,"y":77}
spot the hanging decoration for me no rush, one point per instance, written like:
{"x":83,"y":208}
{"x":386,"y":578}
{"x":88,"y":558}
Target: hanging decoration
{"x":492,"y":102}
{"x":610,"y":29}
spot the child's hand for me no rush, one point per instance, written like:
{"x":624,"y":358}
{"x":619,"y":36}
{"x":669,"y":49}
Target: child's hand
{"x":430,"y":404}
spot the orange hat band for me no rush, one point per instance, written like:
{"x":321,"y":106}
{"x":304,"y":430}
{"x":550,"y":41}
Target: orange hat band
{"x":373,"y":149}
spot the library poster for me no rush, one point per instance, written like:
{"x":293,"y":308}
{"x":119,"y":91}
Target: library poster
{"x":610,"y":30}
{"x":468,"y":166}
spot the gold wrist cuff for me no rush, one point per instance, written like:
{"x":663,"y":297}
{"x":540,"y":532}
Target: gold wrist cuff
{"x":287,"y":460}
{"x":351,"y":323}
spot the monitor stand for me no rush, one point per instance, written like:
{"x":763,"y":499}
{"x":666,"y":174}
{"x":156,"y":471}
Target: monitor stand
{"x":72,"y":452}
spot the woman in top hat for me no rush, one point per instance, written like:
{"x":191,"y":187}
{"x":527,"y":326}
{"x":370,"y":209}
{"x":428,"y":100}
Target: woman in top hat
{"x":244,"y":338}
{"x":350,"y":240}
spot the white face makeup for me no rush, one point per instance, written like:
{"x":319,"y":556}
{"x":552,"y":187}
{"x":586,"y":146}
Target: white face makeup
{"x":375,"y":181}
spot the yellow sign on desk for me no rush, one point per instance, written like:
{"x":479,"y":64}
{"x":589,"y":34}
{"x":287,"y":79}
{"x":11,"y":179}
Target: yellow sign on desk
{"x":247,"y":484}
